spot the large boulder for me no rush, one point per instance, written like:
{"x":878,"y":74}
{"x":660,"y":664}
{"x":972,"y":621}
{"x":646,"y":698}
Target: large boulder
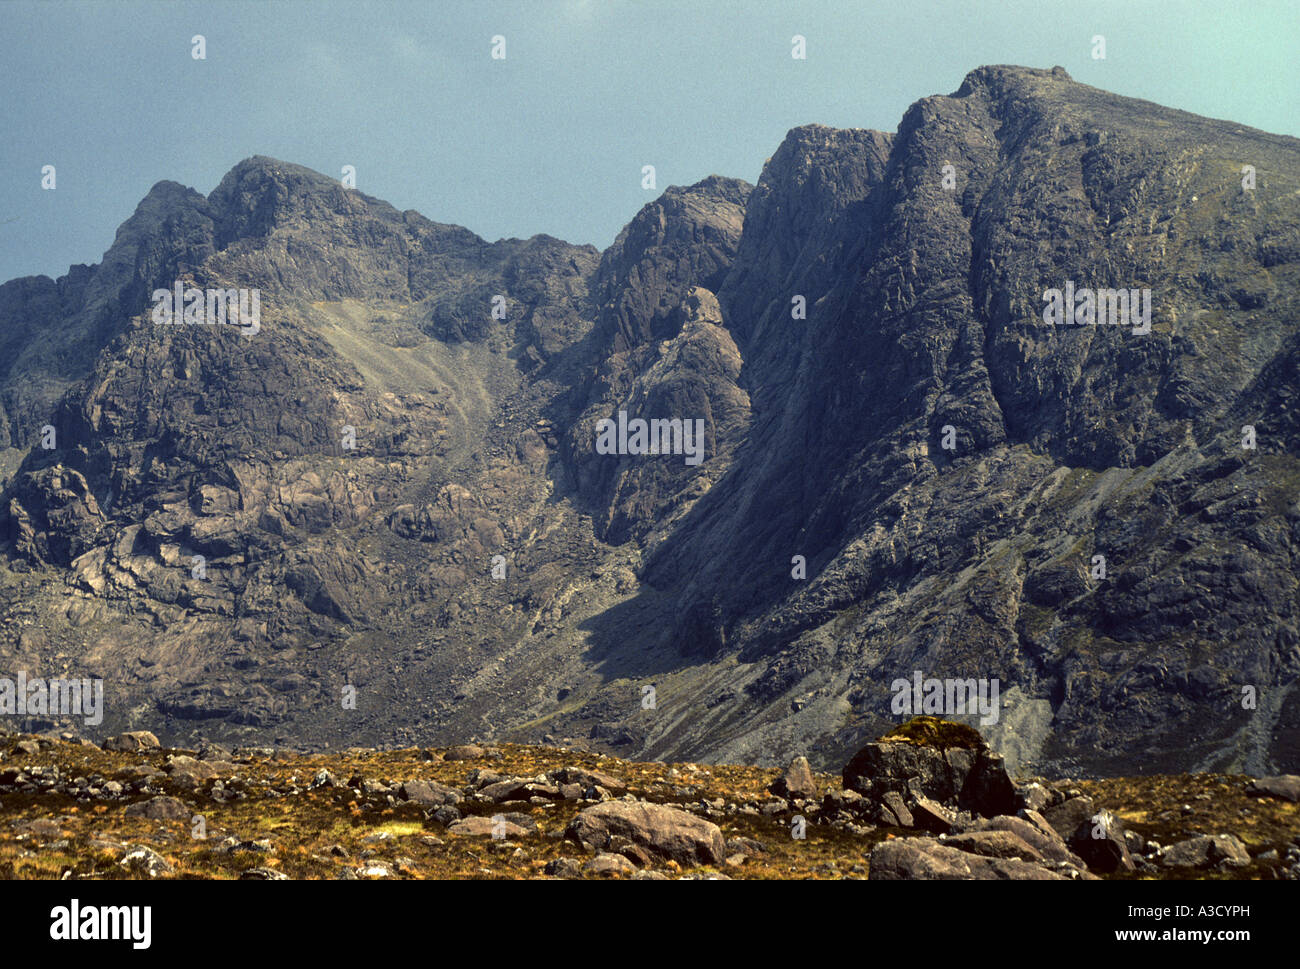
{"x":1067,"y":816}
{"x":948,"y":763}
{"x":1206,"y":851}
{"x":159,"y":809}
{"x":662,"y":832}
{"x":1284,"y":786}
{"x":993,"y":844}
{"x":1100,"y":842}
{"x":1035,"y":832}
{"x":925,"y":859}
{"x":429,"y":793}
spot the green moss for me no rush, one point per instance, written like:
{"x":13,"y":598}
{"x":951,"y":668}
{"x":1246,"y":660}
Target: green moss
{"x":933,"y":732}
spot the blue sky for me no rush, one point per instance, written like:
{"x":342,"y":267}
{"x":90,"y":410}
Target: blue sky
{"x":552,"y":139}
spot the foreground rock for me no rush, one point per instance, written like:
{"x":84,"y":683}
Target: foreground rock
{"x":159,"y":808}
{"x":925,"y":859}
{"x":663,"y":833}
{"x":796,"y":782}
{"x":132,"y":740}
{"x":1284,"y":786}
{"x":1100,"y":841}
{"x":929,"y":760}
{"x":1206,"y":852}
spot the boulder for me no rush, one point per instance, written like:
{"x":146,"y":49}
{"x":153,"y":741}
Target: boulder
{"x":1206,"y":851}
{"x":132,"y":740}
{"x":945,"y":762}
{"x":587,"y":779}
{"x":796,"y":781}
{"x":1284,"y":786}
{"x":893,"y":811}
{"x":925,"y":859}
{"x":929,"y":816}
{"x":465,"y":752}
{"x":563,"y":868}
{"x":478,"y":826}
{"x":1038,"y":834}
{"x":1100,"y":842}
{"x":1066,"y":817}
{"x":993,"y":844}
{"x":608,"y":865}
{"x":665,"y":833}
{"x":143,"y":859}
{"x":159,"y":808}
{"x":429,"y":793}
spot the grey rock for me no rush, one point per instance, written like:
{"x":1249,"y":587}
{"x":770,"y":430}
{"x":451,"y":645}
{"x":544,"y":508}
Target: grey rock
{"x":133,"y":740}
{"x":796,"y":781}
{"x":1206,"y":851}
{"x":1283,"y":786}
{"x":665,"y":833}
{"x":924,"y":859}
{"x":160,"y":808}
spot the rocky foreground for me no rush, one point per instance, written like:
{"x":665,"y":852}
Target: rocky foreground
{"x":929,"y":800}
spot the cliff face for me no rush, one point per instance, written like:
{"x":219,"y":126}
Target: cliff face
{"x":905,"y":469}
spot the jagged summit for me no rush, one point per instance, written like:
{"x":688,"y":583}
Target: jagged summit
{"x":1004,"y":78}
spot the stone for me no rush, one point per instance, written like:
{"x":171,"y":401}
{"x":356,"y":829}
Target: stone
{"x":160,"y":808}
{"x":666,"y":833}
{"x":140,"y":858}
{"x":893,"y":810}
{"x":1034,"y":831}
{"x":993,"y":844}
{"x":1066,"y":817}
{"x":478,"y":826}
{"x":587,"y":779}
{"x":929,"y":816}
{"x":608,"y":865}
{"x":1206,"y":851}
{"x":429,"y":793}
{"x":133,"y":740}
{"x":1100,"y":842}
{"x":925,"y":859}
{"x":972,"y":779}
{"x":1283,"y":786}
{"x":465,"y":752}
{"x":796,"y":781}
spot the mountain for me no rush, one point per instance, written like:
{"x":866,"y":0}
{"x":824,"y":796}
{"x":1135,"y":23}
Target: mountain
{"x":408,"y":532}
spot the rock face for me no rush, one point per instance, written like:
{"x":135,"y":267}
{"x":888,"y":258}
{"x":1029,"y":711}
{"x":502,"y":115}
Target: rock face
{"x":393,"y":484}
{"x":667,"y":834}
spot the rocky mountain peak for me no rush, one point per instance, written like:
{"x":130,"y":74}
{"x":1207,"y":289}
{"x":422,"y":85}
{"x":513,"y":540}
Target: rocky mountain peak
{"x":874,"y":455}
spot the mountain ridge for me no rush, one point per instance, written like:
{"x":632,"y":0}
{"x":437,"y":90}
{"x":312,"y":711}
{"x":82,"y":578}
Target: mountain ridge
{"x":373,"y":566}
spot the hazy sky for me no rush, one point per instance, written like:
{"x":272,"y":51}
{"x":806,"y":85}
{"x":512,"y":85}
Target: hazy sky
{"x":552,"y":139}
